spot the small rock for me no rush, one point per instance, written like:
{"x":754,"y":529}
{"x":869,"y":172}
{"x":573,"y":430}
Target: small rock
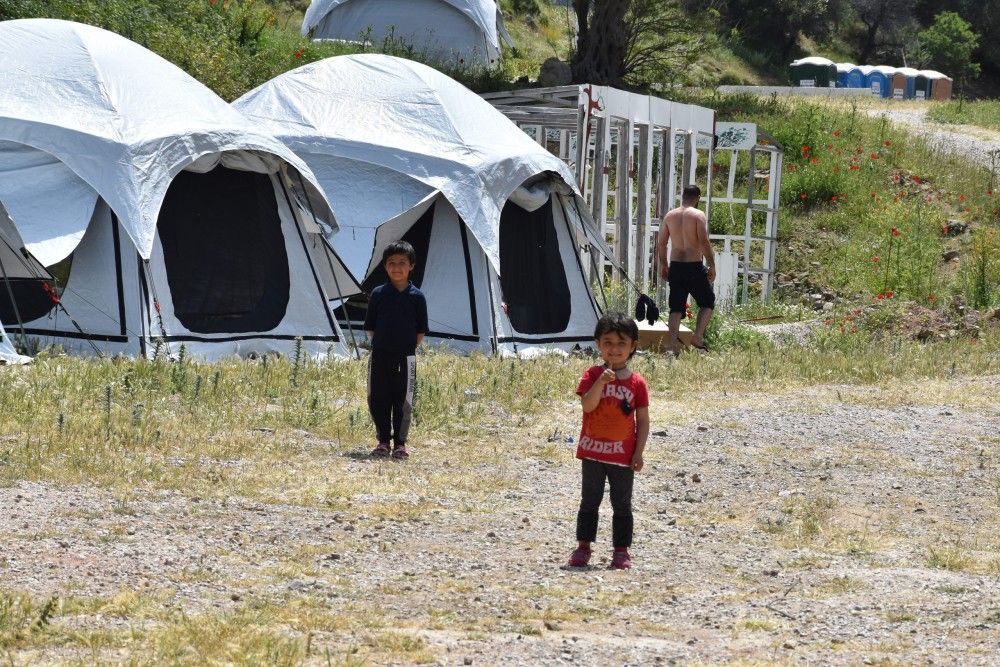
{"x":235,"y":597}
{"x":526,"y":521}
{"x":491,"y":534}
{"x":64,"y":544}
{"x":702,"y":428}
{"x":788,"y":644}
{"x":951,"y":255}
{"x":467,"y":661}
{"x":550,"y":625}
{"x":696,"y":478}
{"x":672,"y":522}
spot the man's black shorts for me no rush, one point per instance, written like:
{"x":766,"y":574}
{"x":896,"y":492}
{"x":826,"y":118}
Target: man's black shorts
{"x":689,"y":278}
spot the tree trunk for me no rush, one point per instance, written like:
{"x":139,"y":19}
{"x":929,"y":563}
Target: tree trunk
{"x":601,"y":48}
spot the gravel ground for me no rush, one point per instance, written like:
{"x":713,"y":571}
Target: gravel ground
{"x":831,"y":525}
{"x":974,"y":142}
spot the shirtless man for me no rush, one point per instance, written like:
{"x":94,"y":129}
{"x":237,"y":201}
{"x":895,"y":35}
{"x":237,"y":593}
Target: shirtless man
{"x":687,"y":230}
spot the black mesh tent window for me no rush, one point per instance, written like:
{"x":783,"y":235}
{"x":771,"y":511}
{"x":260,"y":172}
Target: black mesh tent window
{"x":532,"y":275}
{"x":25,"y":279}
{"x":224,"y":251}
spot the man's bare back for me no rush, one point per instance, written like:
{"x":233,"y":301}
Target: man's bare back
{"x":686,"y":225}
{"x":686,"y":229}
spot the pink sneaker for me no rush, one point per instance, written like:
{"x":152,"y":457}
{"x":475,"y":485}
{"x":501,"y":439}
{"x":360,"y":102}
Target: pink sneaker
{"x":381,"y":450}
{"x":621,"y":560}
{"x":400,"y":452}
{"x":580,"y":557}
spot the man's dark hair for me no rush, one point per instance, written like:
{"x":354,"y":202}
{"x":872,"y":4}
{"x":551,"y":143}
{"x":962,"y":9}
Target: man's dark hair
{"x":399,"y":248}
{"x":619,"y":323}
{"x":691,"y":192}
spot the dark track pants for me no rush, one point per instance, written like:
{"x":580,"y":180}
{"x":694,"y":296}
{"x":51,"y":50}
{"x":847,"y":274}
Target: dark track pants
{"x":620,"y":479}
{"x":391,"y":380}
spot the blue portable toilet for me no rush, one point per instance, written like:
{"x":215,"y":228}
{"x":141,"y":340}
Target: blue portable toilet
{"x":843,"y":70}
{"x":904,"y":83}
{"x":857,"y":77}
{"x":880,"y":80}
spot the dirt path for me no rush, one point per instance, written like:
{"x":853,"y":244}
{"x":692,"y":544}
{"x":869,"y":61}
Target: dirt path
{"x":975,"y":142}
{"x":834,"y":525}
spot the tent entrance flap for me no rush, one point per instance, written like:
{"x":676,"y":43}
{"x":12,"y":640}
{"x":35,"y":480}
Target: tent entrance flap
{"x":532,"y":275}
{"x":419,"y":236}
{"x":224,"y":253}
{"x":25,"y":280}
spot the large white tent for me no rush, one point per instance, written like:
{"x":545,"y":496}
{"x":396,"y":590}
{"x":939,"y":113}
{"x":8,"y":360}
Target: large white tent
{"x":179,"y":221}
{"x":405,"y":151}
{"x":455,"y":31}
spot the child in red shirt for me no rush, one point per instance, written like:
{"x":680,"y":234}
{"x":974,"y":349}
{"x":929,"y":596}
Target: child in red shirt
{"x":615,"y":427}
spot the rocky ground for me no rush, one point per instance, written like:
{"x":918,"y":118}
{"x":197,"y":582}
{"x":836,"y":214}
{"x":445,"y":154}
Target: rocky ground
{"x":829,"y":525}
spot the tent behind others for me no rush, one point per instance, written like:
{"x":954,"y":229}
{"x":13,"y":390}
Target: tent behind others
{"x":457,"y":32}
{"x":165,"y":217}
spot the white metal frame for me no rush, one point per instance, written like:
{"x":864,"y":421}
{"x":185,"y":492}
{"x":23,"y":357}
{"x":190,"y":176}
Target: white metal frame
{"x":654,"y":142}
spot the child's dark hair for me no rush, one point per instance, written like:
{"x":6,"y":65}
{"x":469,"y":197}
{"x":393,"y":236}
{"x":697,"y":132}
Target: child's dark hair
{"x":619,"y":323}
{"x":400,"y":248}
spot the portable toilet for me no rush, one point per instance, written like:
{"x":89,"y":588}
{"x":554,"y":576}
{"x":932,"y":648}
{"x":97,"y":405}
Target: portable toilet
{"x":941,"y":88}
{"x":924,"y":80}
{"x":904,"y":83}
{"x":857,"y":77}
{"x":843,"y":71}
{"x":880,"y":80}
{"x":936,"y":85}
{"x":813,"y":72}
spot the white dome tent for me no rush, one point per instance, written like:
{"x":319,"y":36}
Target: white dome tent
{"x":181,"y":222}
{"x":460,"y":32}
{"x":495,"y":218}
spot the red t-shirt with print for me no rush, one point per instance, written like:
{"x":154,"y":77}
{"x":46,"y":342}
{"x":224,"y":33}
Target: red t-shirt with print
{"x":608,"y":434}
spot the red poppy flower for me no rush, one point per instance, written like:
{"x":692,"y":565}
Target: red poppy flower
{"x":989,"y":193}
{"x":874,"y":259}
{"x":855,"y":167}
{"x":833,"y":198}
{"x":916,"y":179}
{"x":874,"y":156}
{"x":895,"y":178}
{"x":887,"y":142}
{"x":791,"y":167}
{"x":805,"y":149}
{"x":857,"y":149}
{"x":888,"y":295}
{"x":944,"y":230}
{"x":298,"y":54}
{"x":895,"y":231}
{"x":931,"y":297}
{"x":961,"y":198}
{"x":996,"y":211}
{"x":803,"y":196}
{"x":813,"y":160}
{"x":901,"y":194}
{"x":878,"y":297}
{"x":836,"y":133}
{"x":829,"y":147}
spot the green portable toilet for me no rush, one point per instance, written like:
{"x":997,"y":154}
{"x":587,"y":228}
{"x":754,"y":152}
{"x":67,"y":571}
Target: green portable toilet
{"x":813,"y":72}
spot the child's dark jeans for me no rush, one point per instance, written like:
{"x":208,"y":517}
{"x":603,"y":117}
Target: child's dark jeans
{"x":620,"y":479}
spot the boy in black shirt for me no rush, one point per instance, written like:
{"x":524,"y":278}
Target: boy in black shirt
{"x":396,"y":323}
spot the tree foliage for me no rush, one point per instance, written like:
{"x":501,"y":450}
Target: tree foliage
{"x":885,"y":26}
{"x":948,"y":45}
{"x":633,"y":43}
